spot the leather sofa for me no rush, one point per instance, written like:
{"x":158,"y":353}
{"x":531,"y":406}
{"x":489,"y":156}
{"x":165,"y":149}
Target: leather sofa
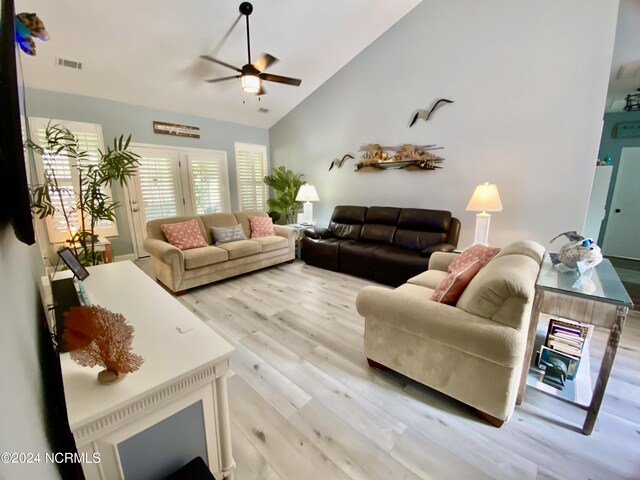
{"x":183,"y":269}
{"x":385,"y":244}
{"x":473,"y":351}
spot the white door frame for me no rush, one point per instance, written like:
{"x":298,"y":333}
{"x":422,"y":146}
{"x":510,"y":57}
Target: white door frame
{"x":186,"y":190}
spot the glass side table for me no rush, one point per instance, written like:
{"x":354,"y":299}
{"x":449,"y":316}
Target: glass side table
{"x":300,"y":228}
{"x":598,"y":298}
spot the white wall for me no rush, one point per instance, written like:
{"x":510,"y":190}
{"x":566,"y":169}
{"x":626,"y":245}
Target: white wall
{"x":20,"y":386}
{"x":529,"y":82}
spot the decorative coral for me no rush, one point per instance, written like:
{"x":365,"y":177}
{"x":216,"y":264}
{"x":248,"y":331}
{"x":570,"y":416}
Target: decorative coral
{"x":97,"y":336}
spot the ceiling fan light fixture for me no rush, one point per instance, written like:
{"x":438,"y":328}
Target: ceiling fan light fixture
{"x":250,"y":83}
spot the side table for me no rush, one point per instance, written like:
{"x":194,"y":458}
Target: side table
{"x":300,"y":227}
{"x":598,"y":298}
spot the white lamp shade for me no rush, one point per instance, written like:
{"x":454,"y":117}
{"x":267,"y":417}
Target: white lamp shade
{"x":250,"y":83}
{"x":307,"y":193}
{"x":485,"y":198}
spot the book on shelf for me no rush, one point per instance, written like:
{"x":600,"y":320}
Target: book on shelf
{"x":567,"y":336}
{"x":555,"y":363}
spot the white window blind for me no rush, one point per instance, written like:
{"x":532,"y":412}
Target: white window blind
{"x":157,"y":179}
{"x":208,"y":180}
{"x":66,"y":171}
{"x":251,"y":168}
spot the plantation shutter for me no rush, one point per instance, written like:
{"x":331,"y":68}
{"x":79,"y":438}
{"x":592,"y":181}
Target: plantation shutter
{"x":158,"y":178}
{"x":251,"y":168}
{"x":208,"y":181}
{"x":90,"y":140}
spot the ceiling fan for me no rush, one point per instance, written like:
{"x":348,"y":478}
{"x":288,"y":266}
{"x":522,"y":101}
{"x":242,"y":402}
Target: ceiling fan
{"x":251,"y":75}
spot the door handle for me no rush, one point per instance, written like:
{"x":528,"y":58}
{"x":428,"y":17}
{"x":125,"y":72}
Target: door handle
{"x":135,"y":210}
{"x":617,"y":210}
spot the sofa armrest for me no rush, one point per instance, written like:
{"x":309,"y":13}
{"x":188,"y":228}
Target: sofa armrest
{"x":164,"y":251}
{"x":442,"y":323}
{"x":441,"y":260}
{"x":318,"y":233}
{"x":438,"y":247}
{"x":290,"y":233}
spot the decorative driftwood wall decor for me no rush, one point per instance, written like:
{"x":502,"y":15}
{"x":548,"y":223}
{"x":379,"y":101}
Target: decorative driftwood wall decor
{"x":164,"y":128}
{"x":407,"y":156}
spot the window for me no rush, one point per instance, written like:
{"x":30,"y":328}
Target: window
{"x":251,"y":168}
{"x":90,"y":139}
{"x":209,"y":182}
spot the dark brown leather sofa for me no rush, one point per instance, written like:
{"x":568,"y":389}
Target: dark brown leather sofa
{"x":386,"y":244}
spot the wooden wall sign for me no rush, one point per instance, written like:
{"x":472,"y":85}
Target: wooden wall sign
{"x":626,"y":130}
{"x":175,"y":129}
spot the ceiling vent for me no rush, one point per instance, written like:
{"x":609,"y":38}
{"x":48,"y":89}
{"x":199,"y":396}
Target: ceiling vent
{"x":63,"y":62}
{"x":263,"y":110}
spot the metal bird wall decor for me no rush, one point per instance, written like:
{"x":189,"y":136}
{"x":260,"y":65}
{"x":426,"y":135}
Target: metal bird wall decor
{"x":338,"y":163}
{"x":425,"y":114}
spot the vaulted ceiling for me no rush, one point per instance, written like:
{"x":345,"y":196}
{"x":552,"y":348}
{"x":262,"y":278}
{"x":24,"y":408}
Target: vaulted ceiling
{"x":146,"y":52}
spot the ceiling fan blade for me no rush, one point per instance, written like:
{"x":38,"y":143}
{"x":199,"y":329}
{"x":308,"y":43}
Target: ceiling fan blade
{"x":280,"y":79}
{"x":214,"y":80}
{"x":215,"y":60}
{"x":264,"y":62}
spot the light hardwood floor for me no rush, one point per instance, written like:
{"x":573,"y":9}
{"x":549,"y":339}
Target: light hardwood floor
{"x":305,"y":404}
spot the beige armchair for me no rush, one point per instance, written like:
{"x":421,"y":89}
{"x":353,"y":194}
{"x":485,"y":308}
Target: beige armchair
{"x":472,"y":351}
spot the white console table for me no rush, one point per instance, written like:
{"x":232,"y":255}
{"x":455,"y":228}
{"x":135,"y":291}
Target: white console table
{"x":185,"y":363}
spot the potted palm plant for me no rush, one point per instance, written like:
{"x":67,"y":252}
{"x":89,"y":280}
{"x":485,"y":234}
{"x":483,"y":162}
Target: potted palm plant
{"x":285,"y":184}
{"x":91,"y":204}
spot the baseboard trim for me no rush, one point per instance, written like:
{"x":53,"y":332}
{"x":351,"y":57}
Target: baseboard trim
{"x":123,"y":258}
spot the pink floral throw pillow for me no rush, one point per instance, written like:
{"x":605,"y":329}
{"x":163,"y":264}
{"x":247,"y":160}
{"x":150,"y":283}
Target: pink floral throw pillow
{"x":261,"y":227}
{"x":477,"y":251}
{"x":451,"y":288}
{"x":184,"y":235}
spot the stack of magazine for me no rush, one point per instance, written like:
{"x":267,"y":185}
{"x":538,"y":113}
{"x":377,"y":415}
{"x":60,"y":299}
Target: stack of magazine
{"x":560,"y":355}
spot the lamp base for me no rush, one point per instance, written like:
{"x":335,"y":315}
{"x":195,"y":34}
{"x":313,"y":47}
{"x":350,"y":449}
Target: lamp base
{"x":307,"y":213}
{"x":483,"y":220}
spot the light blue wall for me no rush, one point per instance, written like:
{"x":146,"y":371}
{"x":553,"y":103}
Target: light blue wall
{"x":613,"y":147}
{"x":529,"y":81}
{"x":119,"y":118}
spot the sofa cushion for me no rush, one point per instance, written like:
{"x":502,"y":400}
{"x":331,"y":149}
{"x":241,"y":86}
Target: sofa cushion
{"x":261,"y":227}
{"x":217,"y":220}
{"x":477,"y":251}
{"x":392,"y":265}
{"x":227,"y":234}
{"x":346,"y":221}
{"x":243,"y":219}
{"x":272,"y":242}
{"x":416,"y":240}
{"x":372,"y":232}
{"x":201,"y":257}
{"x":241,"y":248}
{"x":382,"y":215}
{"x":356,"y":258}
{"x":321,"y":253}
{"x":430,"y":279}
{"x":450,"y":289}
{"x":184,"y":235}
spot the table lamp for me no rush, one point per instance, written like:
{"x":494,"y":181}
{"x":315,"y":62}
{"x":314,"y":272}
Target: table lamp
{"x":485,"y":199}
{"x":307,"y":194}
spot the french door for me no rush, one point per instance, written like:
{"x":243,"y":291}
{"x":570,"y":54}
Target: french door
{"x":173,"y":182}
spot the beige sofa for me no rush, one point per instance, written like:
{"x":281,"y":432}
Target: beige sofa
{"x":183,"y":269}
{"x":473,"y":351}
